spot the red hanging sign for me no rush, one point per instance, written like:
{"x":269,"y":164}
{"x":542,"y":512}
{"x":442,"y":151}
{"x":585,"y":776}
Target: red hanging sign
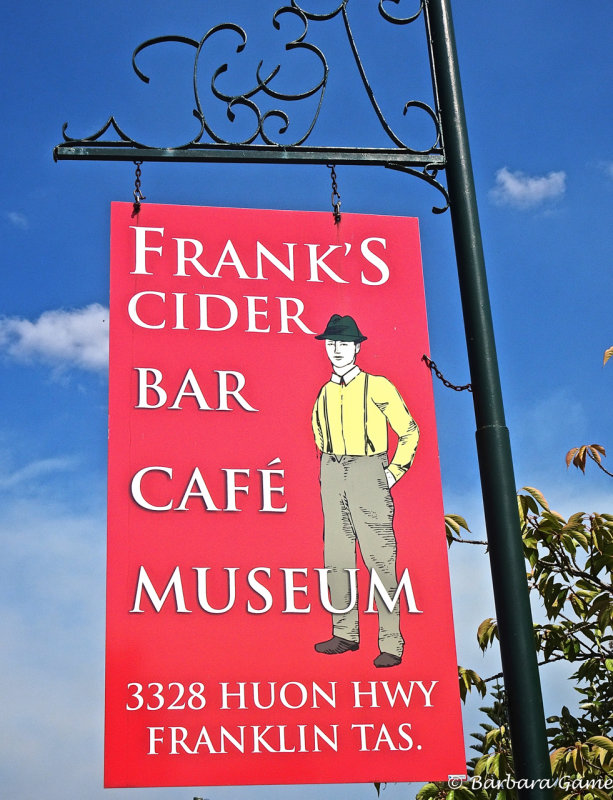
{"x":278,"y":604}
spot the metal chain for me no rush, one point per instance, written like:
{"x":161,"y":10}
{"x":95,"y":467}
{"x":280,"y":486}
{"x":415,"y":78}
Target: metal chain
{"x":433,"y":368}
{"x":336,"y":198}
{"x":138,"y":195}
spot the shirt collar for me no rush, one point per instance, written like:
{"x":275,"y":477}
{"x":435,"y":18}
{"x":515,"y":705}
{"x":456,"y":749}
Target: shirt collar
{"x":347,"y":377}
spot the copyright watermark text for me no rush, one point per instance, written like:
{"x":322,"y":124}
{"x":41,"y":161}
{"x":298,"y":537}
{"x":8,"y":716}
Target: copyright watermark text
{"x":563,"y":782}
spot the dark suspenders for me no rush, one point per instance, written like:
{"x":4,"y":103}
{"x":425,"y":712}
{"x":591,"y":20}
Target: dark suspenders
{"x":367,"y":442}
{"x":327,"y":421}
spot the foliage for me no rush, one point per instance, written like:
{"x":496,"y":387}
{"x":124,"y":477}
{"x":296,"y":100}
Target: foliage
{"x":453,"y":525}
{"x":570,"y":566}
{"x":577,"y":456}
{"x":468,"y":679}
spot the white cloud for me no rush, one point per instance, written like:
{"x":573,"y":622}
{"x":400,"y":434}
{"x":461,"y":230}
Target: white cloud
{"x":608,"y":169}
{"x":67,"y":338}
{"x":523,"y":191}
{"x":17,"y":219}
{"x":35,"y":470}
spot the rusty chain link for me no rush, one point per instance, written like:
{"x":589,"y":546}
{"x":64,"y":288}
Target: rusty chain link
{"x":335,"y":198}
{"x":433,"y":368}
{"x":138,"y":195}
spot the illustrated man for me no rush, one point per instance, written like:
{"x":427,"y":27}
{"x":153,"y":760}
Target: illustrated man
{"x":350,"y":423}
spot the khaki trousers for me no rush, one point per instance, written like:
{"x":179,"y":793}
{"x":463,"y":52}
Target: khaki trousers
{"x":358,"y":509}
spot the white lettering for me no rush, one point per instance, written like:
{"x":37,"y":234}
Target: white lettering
{"x":372,"y":692}
{"x":234,"y":261}
{"x":137,"y":494}
{"x":141,"y":249}
{"x":203,"y":600}
{"x":225,"y":391}
{"x":260,"y":590}
{"x":153,"y":740}
{"x":179,"y":318}
{"x":232,"y":488}
{"x":133,"y":310}
{"x":290,"y":590}
{"x":301,"y":691}
{"x":323,"y":590}
{"x":405,"y":735}
{"x":144,"y":387}
{"x":226,"y":695}
{"x":182,"y":259}
{"x":263,"y":251}
{"x":286,"y":316}
{"x":362,"y":729}
{"x":203,"y":492}
{"x":157,"y":602}
{"x":268,"y":488}
{"x":190,"y":381}
{"x":179,"y":740}
{"x":204,"y":312}
{"x":375,"y":261}
{"x":252,"y":313}
{"x":404,"y":584}
{"x":319,"y":263}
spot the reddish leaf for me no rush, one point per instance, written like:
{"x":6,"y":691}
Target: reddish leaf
{"x":570,"y":455}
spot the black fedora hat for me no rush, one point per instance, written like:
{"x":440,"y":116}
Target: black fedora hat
{"x":342,"y":329}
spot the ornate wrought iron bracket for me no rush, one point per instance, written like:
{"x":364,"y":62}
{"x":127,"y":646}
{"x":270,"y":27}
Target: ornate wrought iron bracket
{"x":268,"y":107}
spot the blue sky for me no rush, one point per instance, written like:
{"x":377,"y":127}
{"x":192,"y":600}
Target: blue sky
{"x":536,"y":80}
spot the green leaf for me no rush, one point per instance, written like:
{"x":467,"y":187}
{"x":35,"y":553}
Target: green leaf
{"x":557,"y":758}
{"x":481,"y":765}
{"x":577,"y":604}
{"x":568,"y":544}
{"x":427,"y":792}
{"x":537,"y":496}
{"x":527,"y":504}
{"x":575,"y":519}
{"x":457,"y":521}
{"x":486,"y":633}
{"x":494,"y":765}
{"x":601,"y":741}
{"x":464,"y":793}
{"x":468,"y":679}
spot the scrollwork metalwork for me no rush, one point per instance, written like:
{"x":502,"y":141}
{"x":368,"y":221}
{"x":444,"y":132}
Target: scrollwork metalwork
{"x":96,"y":137}
{"x":371,"y":95}
{"x":399,"y":20}
{"x":429,"y":175}
{"x":263,"y":86}
{"x":268,"y":104}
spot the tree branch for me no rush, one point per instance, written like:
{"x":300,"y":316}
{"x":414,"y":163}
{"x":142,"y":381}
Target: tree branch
{"x":598,"y":464}
{"x":548,"y":661}
{"x":468,"y":541}
{"x":577,"y":573}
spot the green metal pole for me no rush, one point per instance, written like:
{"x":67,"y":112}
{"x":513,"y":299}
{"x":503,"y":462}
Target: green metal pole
{"x":521,"y":678}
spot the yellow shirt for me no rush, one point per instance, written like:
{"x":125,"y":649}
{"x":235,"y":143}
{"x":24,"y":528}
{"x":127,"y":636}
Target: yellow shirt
{"x":352,"y":419}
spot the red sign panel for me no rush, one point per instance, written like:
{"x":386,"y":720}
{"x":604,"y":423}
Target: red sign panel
{"x":278,"y":591}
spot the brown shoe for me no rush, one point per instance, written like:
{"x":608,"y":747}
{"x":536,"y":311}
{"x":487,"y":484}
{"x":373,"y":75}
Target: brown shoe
{"x":387,"y":660}
{"x":335,"y":646}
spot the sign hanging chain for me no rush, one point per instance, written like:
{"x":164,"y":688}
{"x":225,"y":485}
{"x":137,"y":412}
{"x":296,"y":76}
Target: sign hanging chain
{"x":138,"y":195}
{"x":433,"y":368}
{"x":336,"y":198}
